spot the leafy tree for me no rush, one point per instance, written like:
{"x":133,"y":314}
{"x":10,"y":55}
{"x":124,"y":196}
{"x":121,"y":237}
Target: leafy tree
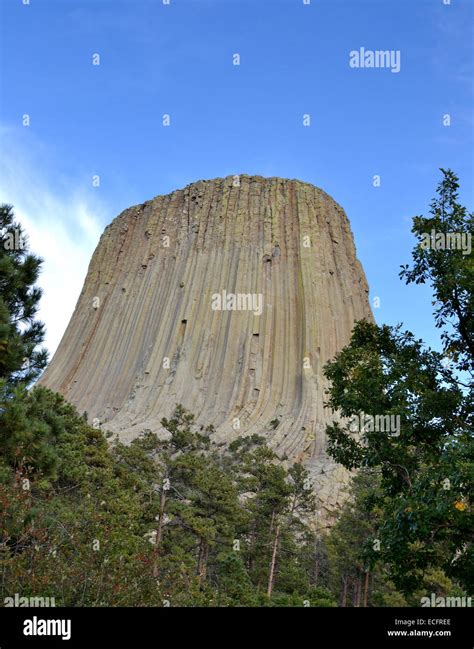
{"x":449,"y":270}
{"x":426,"y":465}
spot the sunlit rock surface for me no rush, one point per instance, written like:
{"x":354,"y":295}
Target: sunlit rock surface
{"x":277,"y":256}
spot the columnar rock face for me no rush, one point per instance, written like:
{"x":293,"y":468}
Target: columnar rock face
{"x":227,"y":296}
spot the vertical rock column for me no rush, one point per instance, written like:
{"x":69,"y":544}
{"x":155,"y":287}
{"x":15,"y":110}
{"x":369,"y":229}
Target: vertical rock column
{"x":279,"y":256}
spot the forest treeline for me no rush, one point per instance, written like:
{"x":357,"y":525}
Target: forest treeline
{"x":184,"y":521}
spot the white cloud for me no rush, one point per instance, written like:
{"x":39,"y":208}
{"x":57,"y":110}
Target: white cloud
{"x":62,"y":227}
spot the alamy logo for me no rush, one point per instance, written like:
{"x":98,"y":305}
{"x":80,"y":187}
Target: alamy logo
{"x":362,"y":423}
{"x":13,"y":240}
{"x":446,"y":601}
{"x":38,"y":626}
{"x":237,"y":302}
{"x":447,"y":241}
{"x":362,"y":58}
{"x":16,"y":600}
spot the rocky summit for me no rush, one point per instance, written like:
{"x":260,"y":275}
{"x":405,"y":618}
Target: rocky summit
{"x":227,"y":296}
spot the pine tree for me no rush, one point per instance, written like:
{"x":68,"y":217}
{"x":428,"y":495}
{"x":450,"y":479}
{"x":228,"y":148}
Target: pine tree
{"x":276,"y":502}
{"x":20,"y":334}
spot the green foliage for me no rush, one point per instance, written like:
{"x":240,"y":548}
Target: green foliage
{"x":351,"y":577}
{"x":155,"y":522}
{"x":20,"y":333}
{"x":425,"y":519}
{"x":76,"y":531}
{"x":426,"y":471}
{"x":449,"y":271}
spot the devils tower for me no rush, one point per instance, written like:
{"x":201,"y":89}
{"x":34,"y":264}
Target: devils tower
{"x":227,"y":296}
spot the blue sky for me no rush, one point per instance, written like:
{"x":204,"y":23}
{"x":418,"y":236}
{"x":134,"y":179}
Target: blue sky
{"x":177,"y":59}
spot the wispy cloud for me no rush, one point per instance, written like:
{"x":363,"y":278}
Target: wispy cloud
{"x":63,"y":227}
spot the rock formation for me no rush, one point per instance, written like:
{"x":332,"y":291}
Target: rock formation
{"x":227,"y":296}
